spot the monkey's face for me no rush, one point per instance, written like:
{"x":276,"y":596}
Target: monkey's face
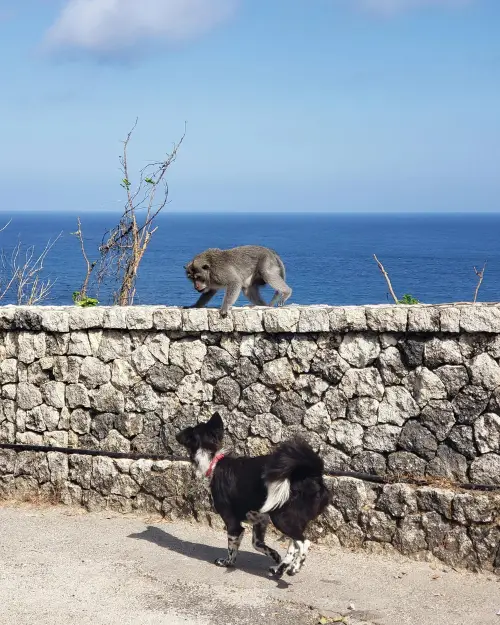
{"x":199,"y":274}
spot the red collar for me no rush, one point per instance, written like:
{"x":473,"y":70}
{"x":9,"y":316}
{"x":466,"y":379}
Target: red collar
{"x":215,"y":460}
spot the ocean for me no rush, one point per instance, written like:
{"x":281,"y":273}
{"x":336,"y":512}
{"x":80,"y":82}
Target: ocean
{"x":329,"y":257}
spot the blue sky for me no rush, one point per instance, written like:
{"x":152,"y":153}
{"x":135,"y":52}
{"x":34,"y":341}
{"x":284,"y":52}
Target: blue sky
{"x":342,"y":105}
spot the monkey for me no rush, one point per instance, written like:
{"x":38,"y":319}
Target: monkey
{"x":246,"y":268}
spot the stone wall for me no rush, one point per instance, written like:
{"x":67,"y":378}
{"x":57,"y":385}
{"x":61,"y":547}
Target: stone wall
{"x":456,"y":527}
{"x":391,"y":390}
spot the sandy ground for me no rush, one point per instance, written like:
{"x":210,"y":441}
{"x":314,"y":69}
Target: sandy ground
{"x":61,"y":565}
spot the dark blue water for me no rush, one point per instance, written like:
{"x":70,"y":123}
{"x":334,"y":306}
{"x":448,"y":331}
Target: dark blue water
{"x":329,"y":258}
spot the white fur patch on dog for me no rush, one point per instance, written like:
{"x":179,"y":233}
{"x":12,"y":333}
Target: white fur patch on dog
{"x":202,"y":461}
{"x":278,"y":493}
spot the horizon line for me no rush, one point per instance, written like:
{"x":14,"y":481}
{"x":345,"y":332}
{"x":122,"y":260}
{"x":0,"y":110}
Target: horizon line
{"x":260,"y":212}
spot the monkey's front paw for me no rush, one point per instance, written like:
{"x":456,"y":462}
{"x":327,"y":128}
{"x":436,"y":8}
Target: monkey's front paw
{"x":223,"y":562}
{"x":223,"y":313}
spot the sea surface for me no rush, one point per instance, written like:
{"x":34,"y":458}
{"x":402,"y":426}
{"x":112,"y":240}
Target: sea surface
{"x":329,"y":258}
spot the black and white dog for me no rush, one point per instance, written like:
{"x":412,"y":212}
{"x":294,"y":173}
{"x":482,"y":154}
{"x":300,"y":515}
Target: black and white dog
{"x":285,"y":487}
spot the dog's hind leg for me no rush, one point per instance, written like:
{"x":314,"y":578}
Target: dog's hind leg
{"x":300,"y":557}
{"x":293,"y":525}
{"x":234,"y":538}
{"x":283,"y":566}
{"x":260,"y":523}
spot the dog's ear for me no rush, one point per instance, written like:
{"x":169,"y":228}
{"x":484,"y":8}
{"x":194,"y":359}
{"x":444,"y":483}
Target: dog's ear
{"x":215,"y":429}
{"x":215,"y":423}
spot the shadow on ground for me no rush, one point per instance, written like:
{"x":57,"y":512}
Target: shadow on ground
{"x":252,"y":563}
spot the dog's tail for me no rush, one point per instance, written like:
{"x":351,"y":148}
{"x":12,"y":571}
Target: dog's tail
{"x":292,"y":461}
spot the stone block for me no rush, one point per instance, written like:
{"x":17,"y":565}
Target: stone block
{"x":355,"y":319}
{"x":216,"y":323}
{"x":7,"y":314}
{"x":115,"y":318}
{"x":423,"y":319}
{"x":285,"y":319}
{"x":194,"y":390}
{"x":449,"y":319}
{"x":54,"y":319}
{"x":169,"y":319}
{"x":188,"y":354}
{"x":267,"y":426}
{"x":85,"y":318}
{"x":139,"y":318}
{"x":480,"y":318}
{"x":359,"y":350}
{"x":397,"y":406}
{"x":398,"y":500}
{"x":248,"y":319}
{"x":338,"y":320}
{"x":313,"y":319}
{"x":486,"y":470}
{"x":387,"y":318}
{"x":195,"y":320}
{"x":362,"y":383}
{"x":278,"y":374}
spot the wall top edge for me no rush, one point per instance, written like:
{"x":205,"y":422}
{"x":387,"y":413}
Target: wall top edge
{"x":418,"y":318}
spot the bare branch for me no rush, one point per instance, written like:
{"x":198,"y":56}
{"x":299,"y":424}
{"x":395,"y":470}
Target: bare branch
{"x":387,"y":279}
{"x":125,"y":245}
{"x":90,"y":265}
{"x":480,"y":276}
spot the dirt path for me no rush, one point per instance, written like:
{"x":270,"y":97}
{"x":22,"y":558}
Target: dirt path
{"x":60,"y":565}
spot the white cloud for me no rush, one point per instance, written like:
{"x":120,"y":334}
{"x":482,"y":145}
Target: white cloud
{"x":108,"y":27}
{"x":396,"y":6}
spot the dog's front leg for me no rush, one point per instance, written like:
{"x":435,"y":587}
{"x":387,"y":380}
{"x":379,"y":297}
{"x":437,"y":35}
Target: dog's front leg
{"x":233,"y":544}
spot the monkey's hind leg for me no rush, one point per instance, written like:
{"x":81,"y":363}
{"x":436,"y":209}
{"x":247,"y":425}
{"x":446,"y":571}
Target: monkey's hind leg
{"x":253,"y":294}
{"x":281,"y":288}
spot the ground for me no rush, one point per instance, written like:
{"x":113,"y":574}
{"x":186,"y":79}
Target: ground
{"x":61,"y":565}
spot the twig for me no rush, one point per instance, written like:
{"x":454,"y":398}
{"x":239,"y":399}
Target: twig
{"x":31,"y":289}
{"x":4,"y":289}
{"x":387,"y":279}
{"x":480,"y":275}
{"x":24,"y":275}
{"x":6,"y":225}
